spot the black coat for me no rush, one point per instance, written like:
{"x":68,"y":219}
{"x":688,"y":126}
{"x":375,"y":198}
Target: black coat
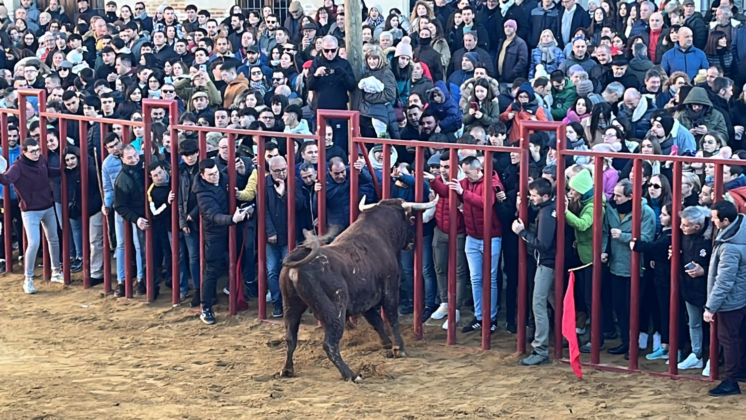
{"x":483,"y":37}
{"x":657,"y":251}
{"x":493,"y":21}
{"x":187,"y":198}
{"x":519,"y":15}
{"x":541,"y":235}
{"x":581,"y":19}
{"x":516,"y":60}
{"x":541,"y":19}
{"x":129,"y":192}
{"x":698,"y":26}
{"x":696,"y":248}
{"x":164,"y":54}
{"x":331,"y":91}
{"x":277,"y":211}
{"x":428,"y":55}
{"x":212,"y":201}
{"x":75,"y":192}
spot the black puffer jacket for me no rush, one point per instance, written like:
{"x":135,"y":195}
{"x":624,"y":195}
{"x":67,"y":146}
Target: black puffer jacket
{"x":75,"y":192}
{"x":129,"y":192}
{"x":696,"y":248}
{"x":657,"y":252}
{"x":541,"y":234}
{"x":187,"y":199}
{"x":213,"y":208}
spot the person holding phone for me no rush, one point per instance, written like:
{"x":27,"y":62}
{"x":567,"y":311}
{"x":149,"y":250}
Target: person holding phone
{"x":525,"y":107}
{"x":483,"y":110}
{"x":696,"y":248}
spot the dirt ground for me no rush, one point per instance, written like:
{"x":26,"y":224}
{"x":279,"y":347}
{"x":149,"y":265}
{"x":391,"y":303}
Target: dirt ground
{"x":68,"y":353}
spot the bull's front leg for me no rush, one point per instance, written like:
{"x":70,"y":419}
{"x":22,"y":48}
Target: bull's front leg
{"x":391,"y":310}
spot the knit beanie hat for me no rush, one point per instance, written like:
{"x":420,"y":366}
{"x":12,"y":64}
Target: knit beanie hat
{"x":584,"y":88}
{"x":582,"y":182}
{"x":574,"y":69}
{"x":667,"y":123}
{"x":473,"y":57}
{"x":404,"y":48}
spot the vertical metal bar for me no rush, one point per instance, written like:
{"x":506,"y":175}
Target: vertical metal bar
{"x":128,"y":240}
{"x":173,"y":111}
{"x":147,"y":157}
{"x":202,"y":138}
{"x":84,"y":218}
{"x":65,"y":239}
{"x":559,"y":261}
{"x":634,"y":310}
{"x":488,"y":195}
{"x":596,"y":280}
{"x":320,"y":195}
{"x":232,"y":254}
{"x":101,"y":146}
{"x":261,"y":212}
{"x":41,"y":96}
{"x":7,"y":212}
{"x":522,"y":253}
{"x":714,"y":342}
{"x":385,"y":172}
{"x":354,"y":183}
{"x":453,"y":214}
{"x":290,"y":191}
{"x":419,"y":191}
{"x":673,"y":325}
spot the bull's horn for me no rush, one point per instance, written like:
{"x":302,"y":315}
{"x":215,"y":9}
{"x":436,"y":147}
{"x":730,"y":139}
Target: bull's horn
{"x":364,"y":206}
{"x":420,"y":206}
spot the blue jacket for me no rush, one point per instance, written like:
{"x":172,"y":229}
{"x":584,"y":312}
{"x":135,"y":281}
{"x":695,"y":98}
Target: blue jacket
{"x":448,"y":112}
{"x":690,"y":61}
{"x":109,"y":172}
{"x":13,"y":154}
{"x":739,"y":45}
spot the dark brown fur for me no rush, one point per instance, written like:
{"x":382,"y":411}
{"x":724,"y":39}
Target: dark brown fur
{"x":356,"y":274}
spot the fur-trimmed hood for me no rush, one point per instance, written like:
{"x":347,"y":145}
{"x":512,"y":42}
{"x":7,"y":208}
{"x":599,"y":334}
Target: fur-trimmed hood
{"x":468,"y":86}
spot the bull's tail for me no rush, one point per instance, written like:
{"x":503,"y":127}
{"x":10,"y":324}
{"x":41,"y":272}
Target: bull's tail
{"x":311,"y":246}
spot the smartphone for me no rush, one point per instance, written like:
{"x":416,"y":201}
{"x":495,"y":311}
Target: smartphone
{"x":202,"y":67}
{"x":475,"y":106}
{"x":690,"y":266}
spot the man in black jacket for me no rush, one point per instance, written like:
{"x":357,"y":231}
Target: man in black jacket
{"x":490,"y":17}
{"x":189,"y":218}
{"x":470,"y":25}
{"x":129,"y":203}
{"x":544,"y":16}
{"x":330,"y":77}
{"x":212,"y":199}
{"x":694,"y":21}
{"x":571,"y":17}
{"x":542,"y":241}
{"x":161,"y":50}
{"x":305,"y":192}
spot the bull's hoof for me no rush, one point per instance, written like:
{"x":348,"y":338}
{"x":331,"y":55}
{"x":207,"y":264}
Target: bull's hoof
{"x":357,"y":379}
{"x":354,"y":378}
{"x":287,"y":373}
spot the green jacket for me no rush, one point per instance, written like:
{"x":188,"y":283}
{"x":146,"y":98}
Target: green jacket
{"x":583,"y":225}
{"x":491,"y":115}
{"x":563,"y":100}
{"x":620,"y":256}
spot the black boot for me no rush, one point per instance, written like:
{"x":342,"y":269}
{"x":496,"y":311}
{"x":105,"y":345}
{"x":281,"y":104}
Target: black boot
{"x":725,"y":388}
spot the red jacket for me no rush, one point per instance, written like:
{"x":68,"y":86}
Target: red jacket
{"x":442,"y":218}
{"x":473,"y":198}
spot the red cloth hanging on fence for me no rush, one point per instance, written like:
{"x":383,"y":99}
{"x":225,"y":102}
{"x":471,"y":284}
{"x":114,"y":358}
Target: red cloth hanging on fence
{"x":568,"y":327}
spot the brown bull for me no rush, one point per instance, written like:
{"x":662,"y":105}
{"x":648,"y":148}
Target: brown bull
{"x":355,"y":274}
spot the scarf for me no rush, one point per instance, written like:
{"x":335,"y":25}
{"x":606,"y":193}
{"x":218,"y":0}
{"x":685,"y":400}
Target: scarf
{"x":374,"y":22}
{"x":697,"y":118}
{"x":258,"y":86}
{"x":625,"y":208}
{"x":547,"y":51}
{"x":505,"y":6}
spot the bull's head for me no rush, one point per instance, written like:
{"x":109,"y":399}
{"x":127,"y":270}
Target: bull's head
{"x":408,"y":215}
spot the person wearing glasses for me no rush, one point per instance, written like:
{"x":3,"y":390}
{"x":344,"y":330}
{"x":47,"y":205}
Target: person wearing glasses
{"x":267,"y":39}
{"x":141,"y":14}
{"x":30,"y":176}
{"x":330,"y":77}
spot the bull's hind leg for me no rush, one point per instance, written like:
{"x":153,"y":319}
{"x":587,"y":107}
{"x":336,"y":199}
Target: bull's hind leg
{"x":391,"y":309}
{"x":373,"y":315}
{"x":294,"y":308}
{"x":334,"y":328}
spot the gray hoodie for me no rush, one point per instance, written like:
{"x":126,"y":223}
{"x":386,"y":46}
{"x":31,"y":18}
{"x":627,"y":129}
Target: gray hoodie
{"x":726,"y":280}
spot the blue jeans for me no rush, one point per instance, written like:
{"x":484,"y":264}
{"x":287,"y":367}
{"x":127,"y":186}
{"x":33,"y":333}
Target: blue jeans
{"x":474,"y":252}
{"x":275,"y":255}
{"x":47,"y":220}
{"x":119,"y":230}
{"x":428,"y":273}
{"x":189,"y":260}
{"x":73,"y":245}
{"x":76,"y":226}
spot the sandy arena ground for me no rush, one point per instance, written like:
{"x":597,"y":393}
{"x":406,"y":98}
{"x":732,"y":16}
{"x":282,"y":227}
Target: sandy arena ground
{"x":67,"y":353}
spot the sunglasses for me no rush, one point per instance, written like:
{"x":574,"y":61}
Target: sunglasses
{"x":256,"y":73}
{"x":655,"y":186}
{"x":167,"y":91}
{"x":330,"y":50}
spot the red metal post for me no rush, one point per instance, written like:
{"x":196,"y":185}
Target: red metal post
{"x":673,"y":325}
{"x":261,"y":212}
{"x":84,"y":218}
{"x":149,"y":263}
{"x":128,"y":274}
{"x":7,"y":216}
{"x":232,"y":254}
{"x":386,"y":172}
{"x":453,"y":213}
{"x":634,"y":310}
{"x":173,"y":111}
{"x":522,"y":254}
{"x":100,"y":156}
{"x":320,"y":195}
{"x":419,"y":191}
{"x":489,"y":199}
{"x":65,"y":238}
{"x":290,"y":183}
{"x":596,"y":282}
{"x":559,"y":261}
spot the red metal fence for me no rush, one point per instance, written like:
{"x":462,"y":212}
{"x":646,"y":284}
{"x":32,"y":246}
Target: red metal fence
{"x":357,"y":144}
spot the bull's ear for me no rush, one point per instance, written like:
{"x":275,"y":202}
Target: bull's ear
{"x":307,"y":234}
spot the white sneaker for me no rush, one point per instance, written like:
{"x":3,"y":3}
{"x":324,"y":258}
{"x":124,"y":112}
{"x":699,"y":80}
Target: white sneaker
{"x":458,"y":318}
{"x":657,"y":340}
{"x":28,"y":286}
{"x":57,"y":278}
{"x":226,"y":291}
{"x":643,"y":341}
{"x":706,"y":371}
{"x":441,"y":312}
{"x":691,"y":362}
{"x":268,"y":298}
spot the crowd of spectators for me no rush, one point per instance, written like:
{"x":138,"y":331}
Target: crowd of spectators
{"x":623,"y":77}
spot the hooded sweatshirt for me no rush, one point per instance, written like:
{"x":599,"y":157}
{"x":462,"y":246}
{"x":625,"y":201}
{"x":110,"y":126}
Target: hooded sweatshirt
{"x":583,"y":221}
{"x":726,"y":280}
